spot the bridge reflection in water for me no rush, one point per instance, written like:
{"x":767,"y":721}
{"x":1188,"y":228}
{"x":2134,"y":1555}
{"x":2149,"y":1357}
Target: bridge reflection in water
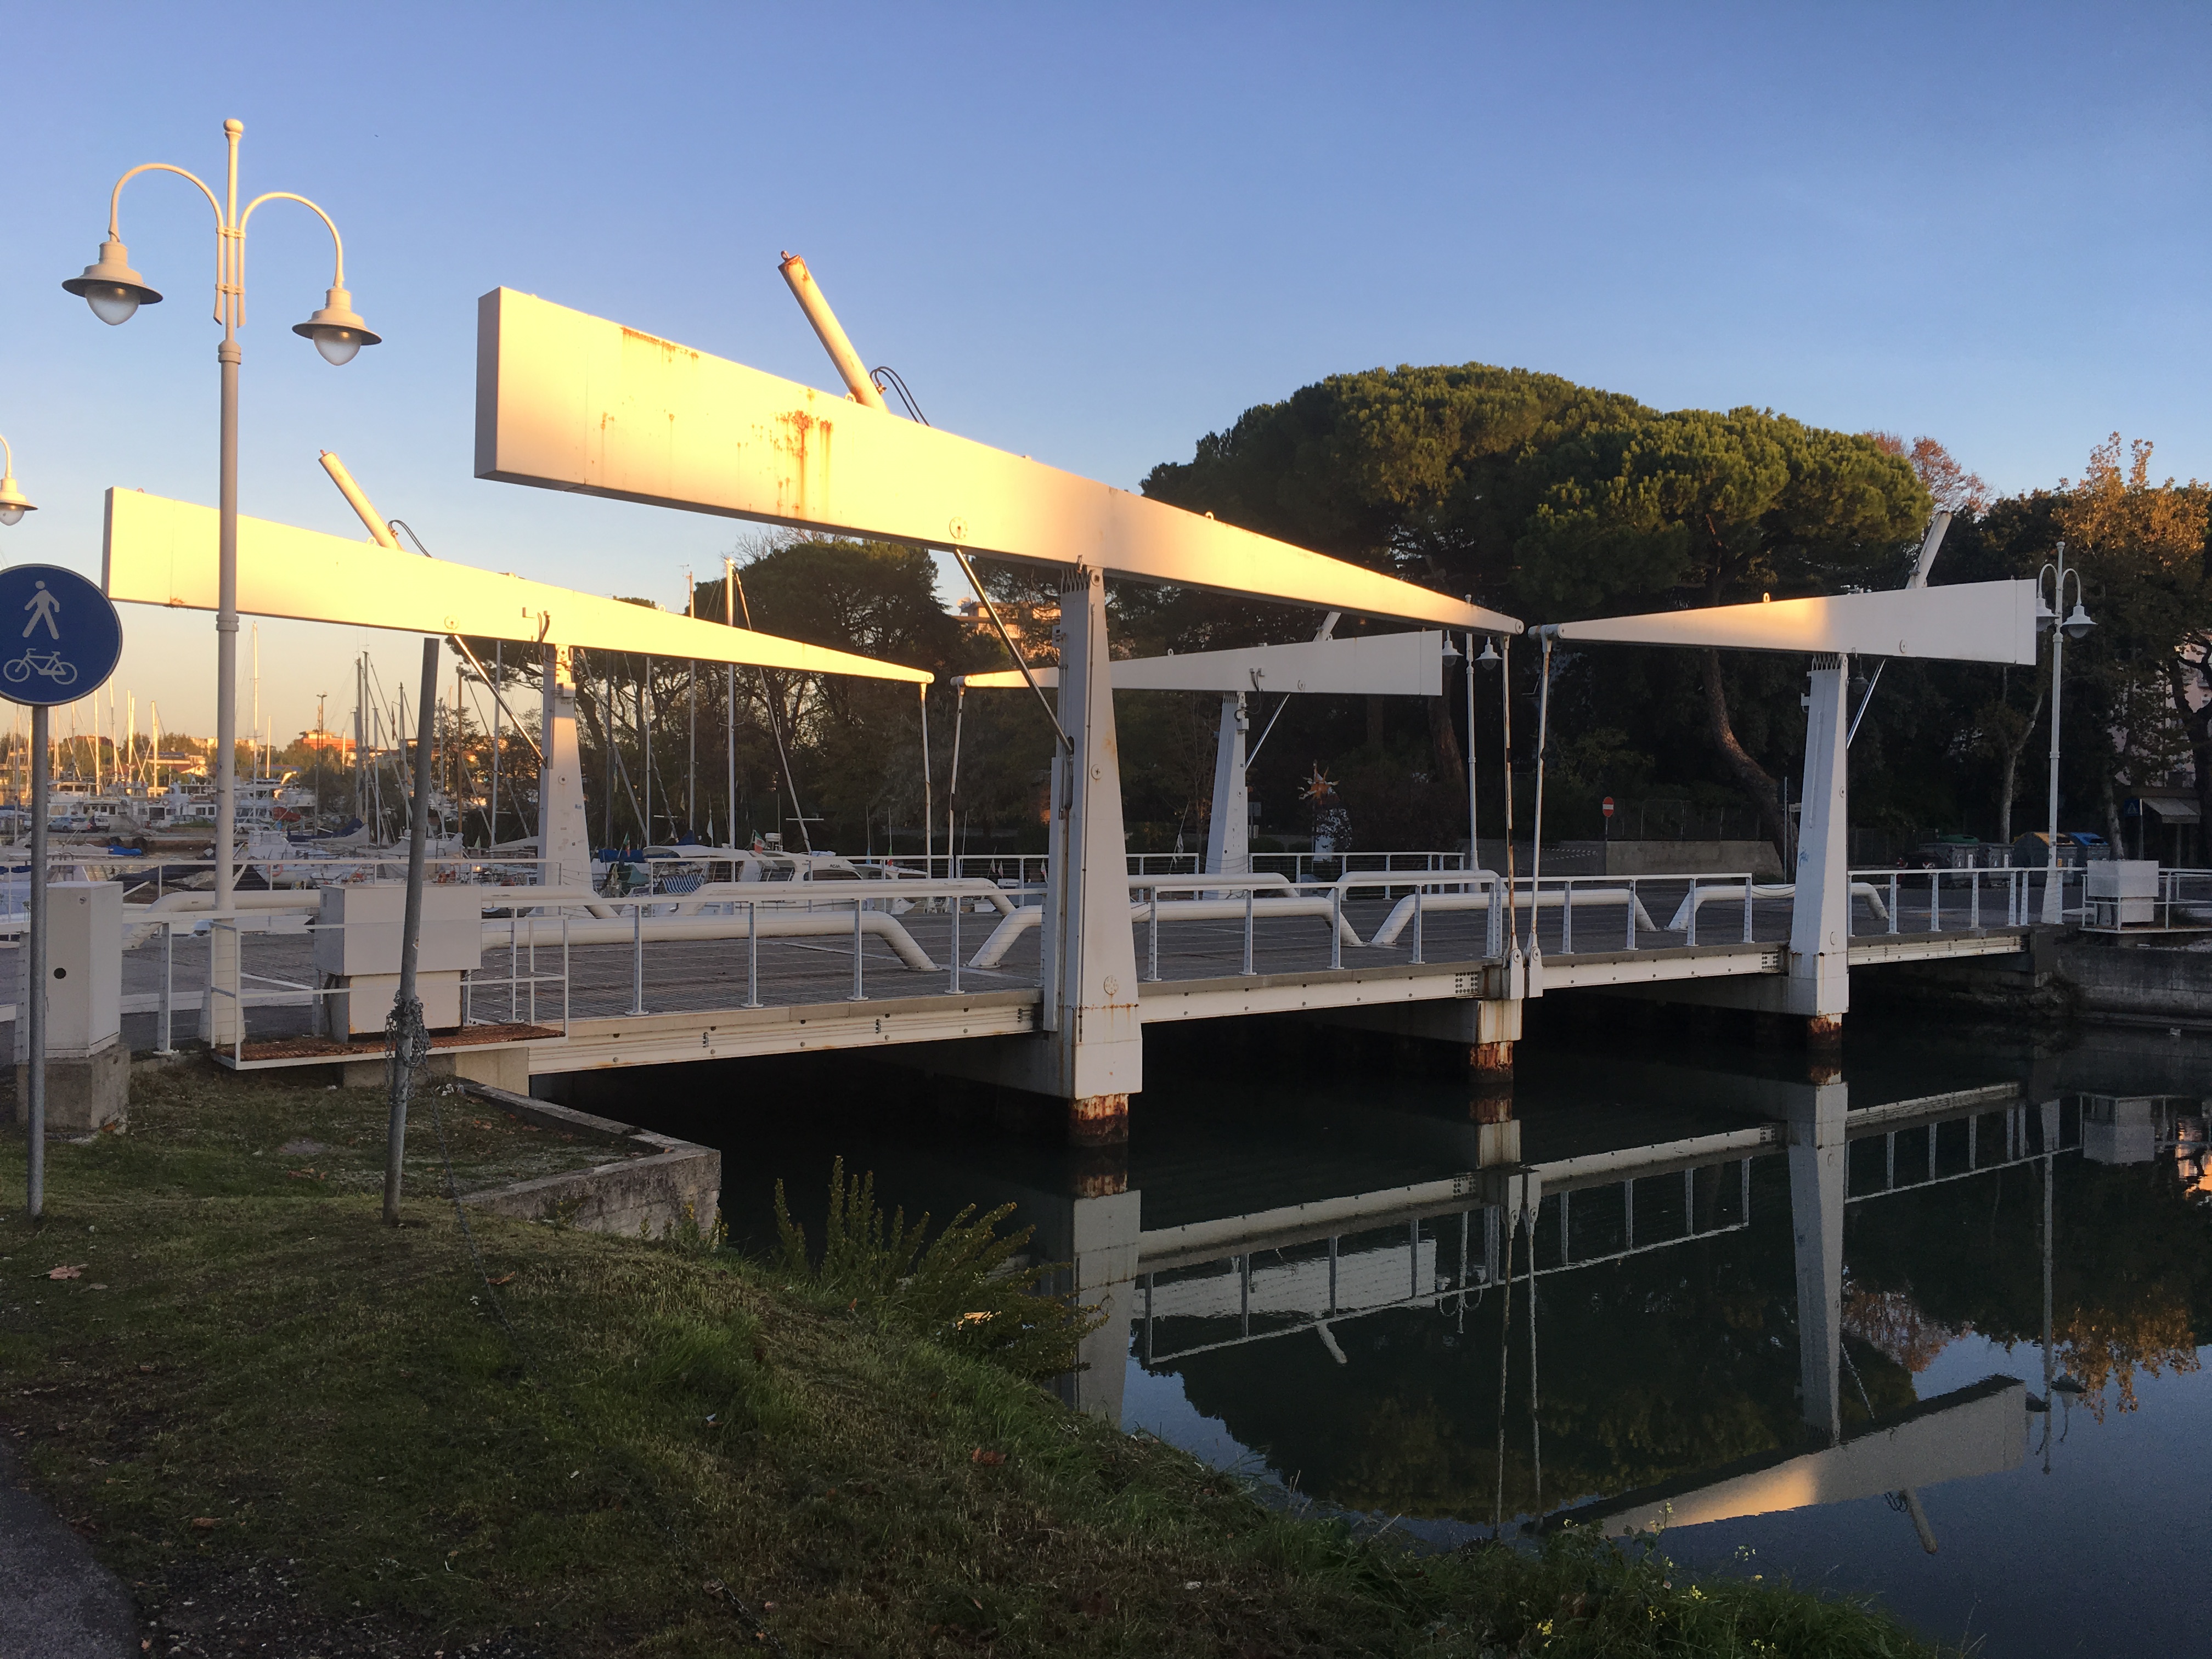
{"x":1685,"y":1335}
{"x":1310,"y":1269}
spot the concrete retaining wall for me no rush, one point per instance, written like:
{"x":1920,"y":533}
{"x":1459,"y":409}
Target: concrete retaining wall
{"x":2138,"y":984}
{"x":674,"y":1186}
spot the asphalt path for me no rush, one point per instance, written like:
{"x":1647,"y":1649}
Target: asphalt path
{"x":56,"y":1600}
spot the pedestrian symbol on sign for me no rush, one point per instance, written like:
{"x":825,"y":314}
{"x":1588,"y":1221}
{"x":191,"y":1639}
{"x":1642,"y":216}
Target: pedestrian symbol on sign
{"x":42,"y":605}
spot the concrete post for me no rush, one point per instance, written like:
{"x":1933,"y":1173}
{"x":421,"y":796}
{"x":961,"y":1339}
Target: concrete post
{"x":1229,"y":836}
{"x":1821,"y":914}
{"x":1090,"y":1014}
{"x":1817,"y":1171}
{"x":564,"y":839}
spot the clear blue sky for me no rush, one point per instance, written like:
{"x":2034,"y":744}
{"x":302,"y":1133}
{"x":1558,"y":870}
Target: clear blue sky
{"x":1089,"y":234}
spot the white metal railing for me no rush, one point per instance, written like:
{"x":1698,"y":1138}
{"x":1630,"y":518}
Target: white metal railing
{"x":2180,"y":901}
{"x":1300,"y":1288}
{"x":524,"y":980}
{"x":1577,"y":913}
{"x":1965,"y":901}
{"x":2019,"y":1146}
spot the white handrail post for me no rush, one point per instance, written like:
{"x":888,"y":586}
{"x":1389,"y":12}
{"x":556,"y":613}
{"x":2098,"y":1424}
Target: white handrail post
{"x":1336,"y":927}
{"x":752,"y":953}
{"x":1974,"y":899}
{"x":859,"y":988}
{"x":1935,"y":900}
{"x":1893,"y":901}
{"x":1690,"y":933}
{"x":955,"y":953}
{"x":1417,"y":923}
{"x":168,"y":974}
{"x":1248,"y":927}
{"x":1566,"y":916}
{"x":1631,"y":914}
{"x":1152,"y":939}
{"x":636,"y":958}
{"x":1746,"y":905}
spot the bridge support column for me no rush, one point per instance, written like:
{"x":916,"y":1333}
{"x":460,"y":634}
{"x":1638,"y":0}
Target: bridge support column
{"x":1817,"y":1171}
{"x":1820,"y":980}
{"x":1229,"y":836}
{"x":564,"y":841}
{"x":1094,"y":1058}
{"x":1089,"y":1050}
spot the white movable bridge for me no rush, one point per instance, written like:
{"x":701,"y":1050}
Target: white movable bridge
{"x":1044,"y":985}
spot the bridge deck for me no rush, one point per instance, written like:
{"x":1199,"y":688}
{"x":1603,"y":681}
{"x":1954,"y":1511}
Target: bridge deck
{"x":694,"y":992}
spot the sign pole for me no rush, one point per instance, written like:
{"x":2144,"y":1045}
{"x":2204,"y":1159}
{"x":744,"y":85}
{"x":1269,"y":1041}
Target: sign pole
{"x":59,"y":640}
{"x":34,"y":987}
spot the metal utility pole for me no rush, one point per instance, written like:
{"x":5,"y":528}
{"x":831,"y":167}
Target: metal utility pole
{"x":2076,"y":626}
{"x":409,"y":1041}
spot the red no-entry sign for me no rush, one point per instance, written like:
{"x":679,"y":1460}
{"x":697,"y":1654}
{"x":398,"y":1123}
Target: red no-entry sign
{"x":1609,"y":806}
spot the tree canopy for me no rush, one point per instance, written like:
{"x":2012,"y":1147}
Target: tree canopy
{"x":1549,"y":498}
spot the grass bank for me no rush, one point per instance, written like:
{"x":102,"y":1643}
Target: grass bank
{"x":288,"y":1426}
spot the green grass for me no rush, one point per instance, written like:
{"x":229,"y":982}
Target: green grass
{"x":251,"y":1369}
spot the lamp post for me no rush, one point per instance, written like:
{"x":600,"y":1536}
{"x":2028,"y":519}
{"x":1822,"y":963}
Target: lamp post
{"x":115,"y":292}
{"x":2076,"y":626}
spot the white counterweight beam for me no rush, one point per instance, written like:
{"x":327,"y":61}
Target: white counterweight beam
{"x":1373,"y":664}
{"x":1967,"y":622}
{"x":568,"y":401}
{"x":163,"y":552}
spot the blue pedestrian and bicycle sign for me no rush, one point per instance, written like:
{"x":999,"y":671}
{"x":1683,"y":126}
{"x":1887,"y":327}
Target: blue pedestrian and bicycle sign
{"x":60,"y":637}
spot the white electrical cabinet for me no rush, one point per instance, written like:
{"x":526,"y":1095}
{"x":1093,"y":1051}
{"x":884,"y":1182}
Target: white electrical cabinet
{"x":2122,"y":892}
{"x":357,"y":952}
{"x":84,"y":968}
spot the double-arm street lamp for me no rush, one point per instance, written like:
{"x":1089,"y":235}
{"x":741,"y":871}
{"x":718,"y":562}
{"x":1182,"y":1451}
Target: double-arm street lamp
{"x":115,"y":292}
{"x":2076,"y":626}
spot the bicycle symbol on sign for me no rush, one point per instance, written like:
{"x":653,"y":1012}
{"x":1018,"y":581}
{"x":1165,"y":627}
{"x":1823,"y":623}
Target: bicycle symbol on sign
{"x":48,"y":663}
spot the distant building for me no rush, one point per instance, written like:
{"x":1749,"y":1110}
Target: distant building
{"x":330,"y":745}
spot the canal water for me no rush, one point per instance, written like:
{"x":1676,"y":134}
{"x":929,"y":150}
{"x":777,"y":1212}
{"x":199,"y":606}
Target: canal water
{"x":1925,"y":1324}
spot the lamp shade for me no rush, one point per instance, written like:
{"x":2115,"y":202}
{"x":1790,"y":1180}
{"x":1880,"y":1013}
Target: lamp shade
{"x":337,"y":331}
{"x":13,"y":502}
{"x":113,"y":290}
